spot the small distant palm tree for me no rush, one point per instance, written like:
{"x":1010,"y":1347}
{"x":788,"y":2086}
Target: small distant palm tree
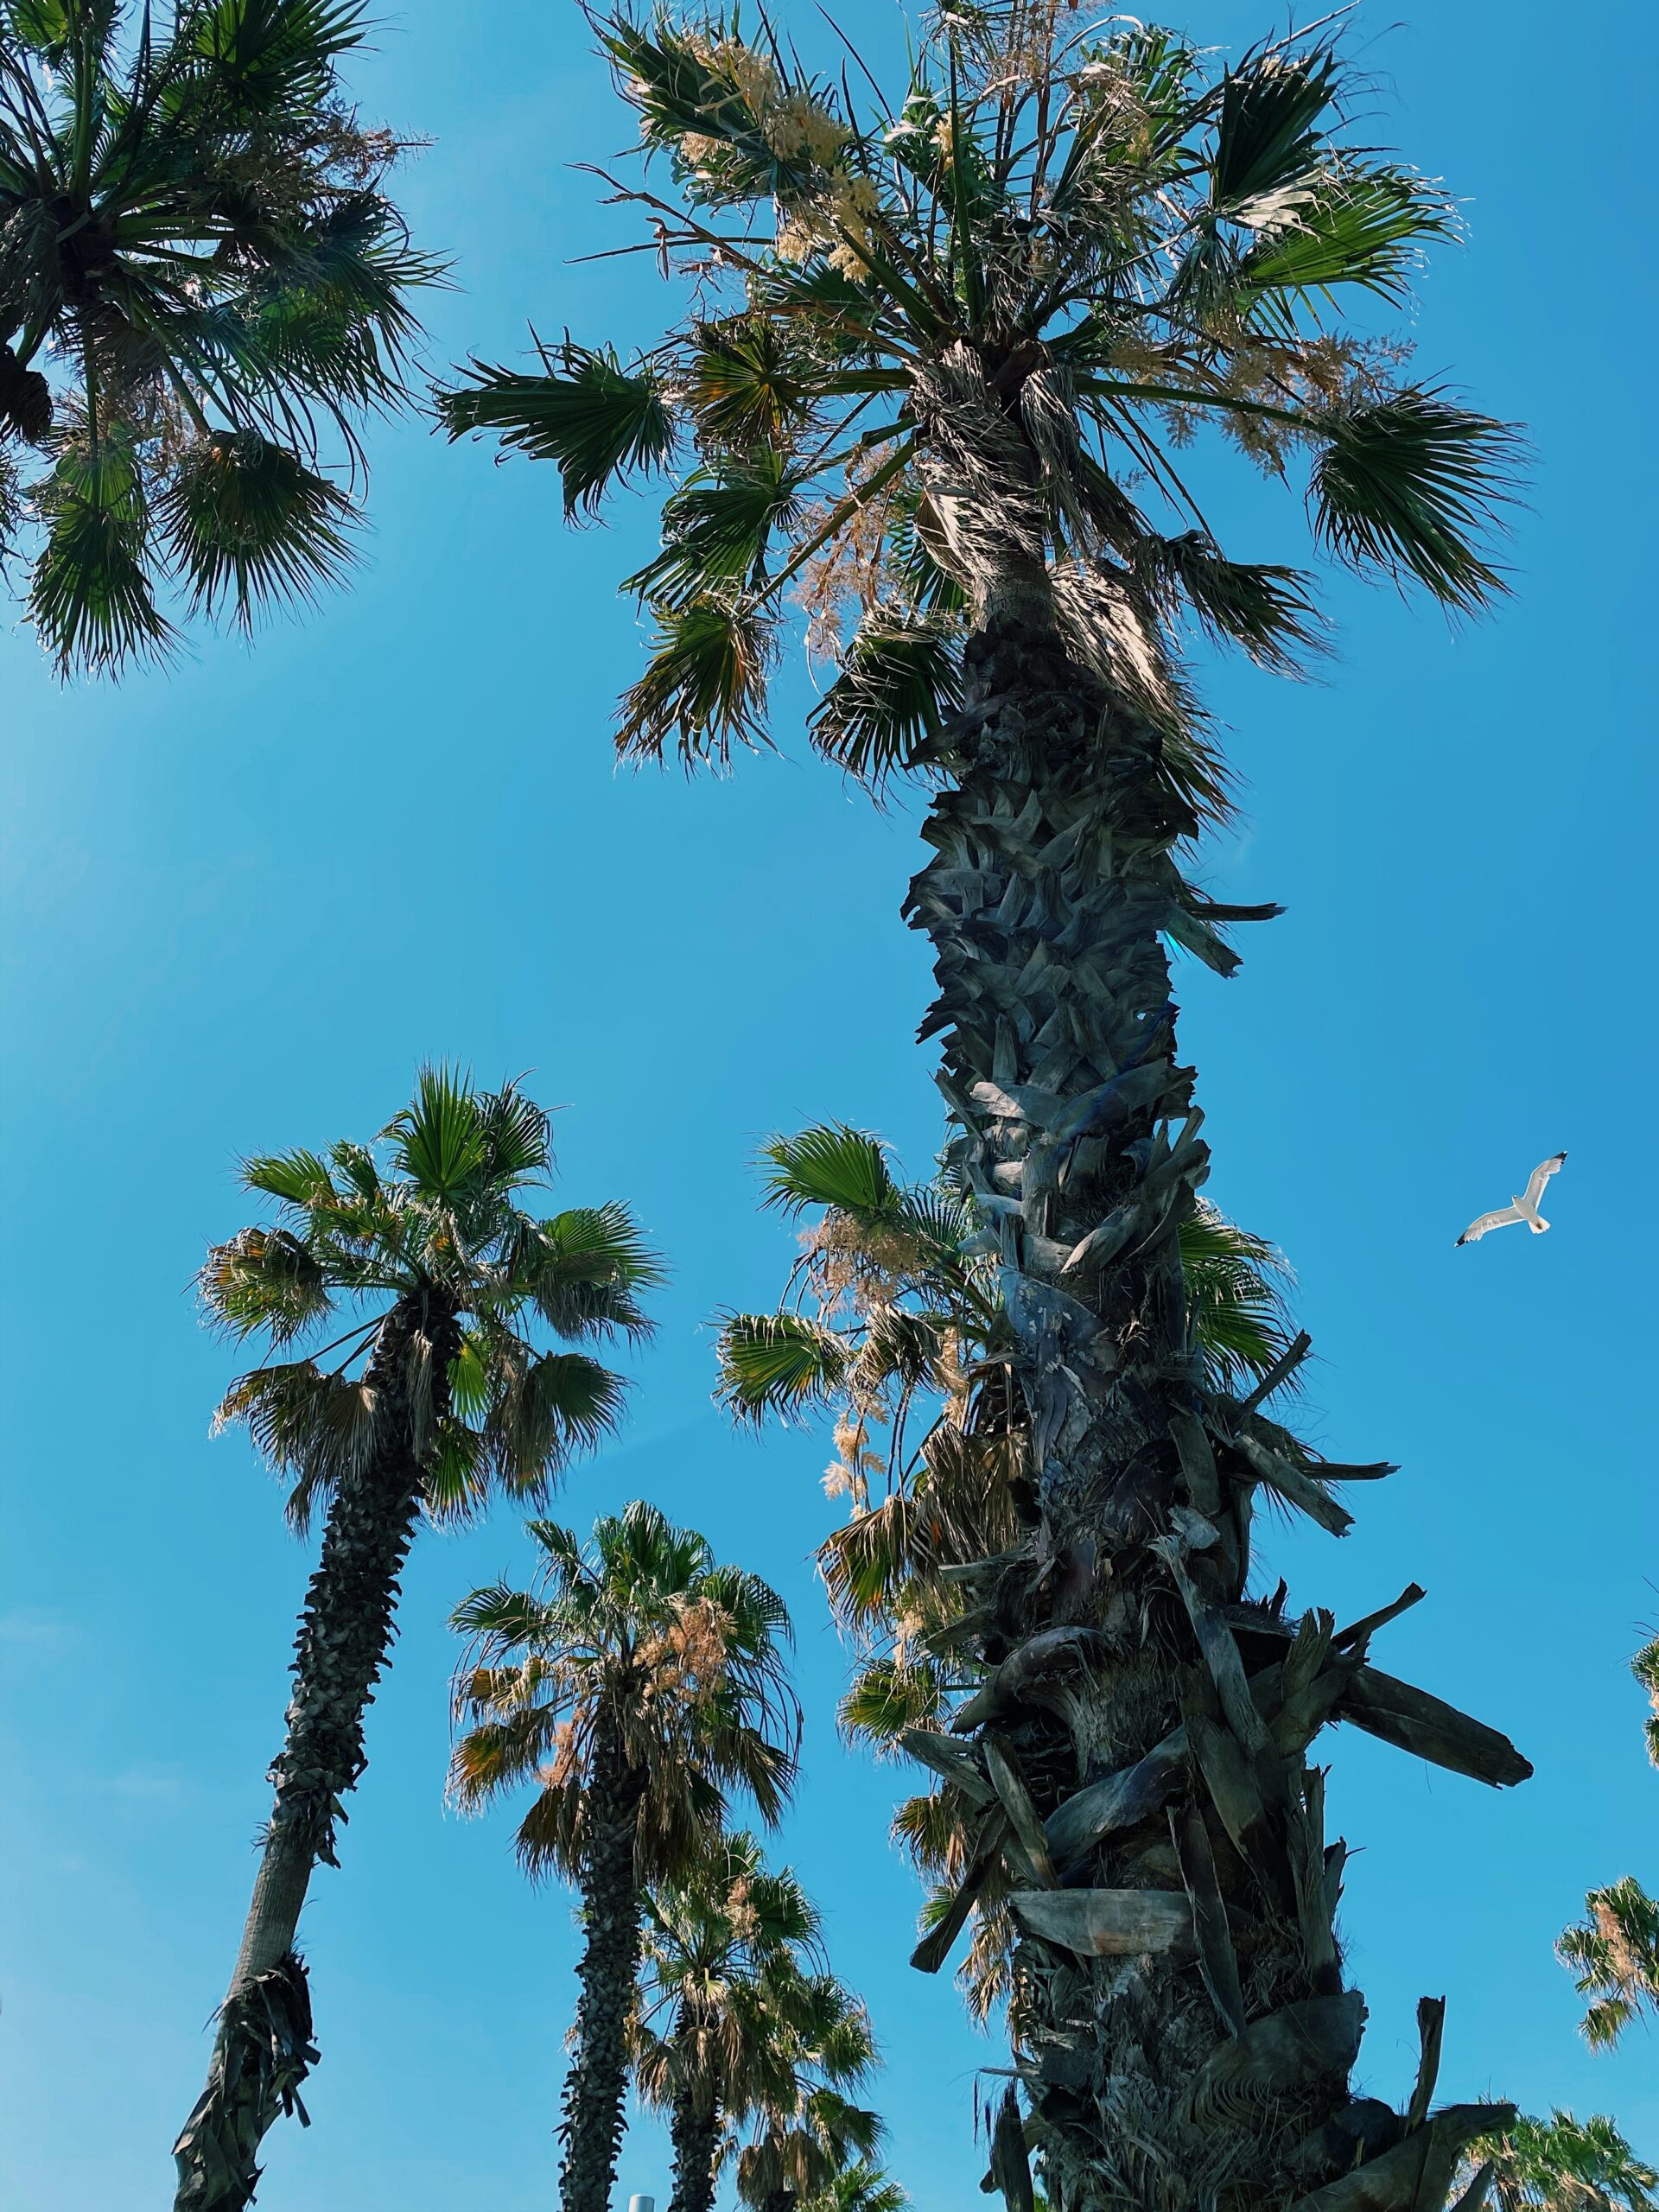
{"x":801,"y":2146}
{"x":733,"y":1991}
{"x":1562,"y":2164}
{"x":1614,"y":1949}
{"x":437,"y":1393}
{"x":638,"y":1685}
{"x":202,"y":282}
{"x":1614,"y":1952}
{"x":860,"y":2188}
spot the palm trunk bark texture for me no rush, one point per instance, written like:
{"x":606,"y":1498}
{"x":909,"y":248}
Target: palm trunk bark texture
{"x":694,"y":2129}
{"x":1183,"y":2030}
{"x":595,"y":2086}
{"x":263,"y":2049}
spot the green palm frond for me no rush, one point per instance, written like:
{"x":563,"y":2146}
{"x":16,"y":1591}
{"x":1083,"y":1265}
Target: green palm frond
{"x":247,"y":522}
{"x":1409,"y":484}
{"x":898,"y":680}
{"x":704,"y":687}
{"x":888,"y":1695}
{"x":830,"y":1165}
{"x":1265,"y":609}
{"x":1236,"y":1286}
{"x":1368,"y":229}
{"x":600,"y":422}
{"x":1614,"y":1955}
{"x":716,"y":529}
{"x":1267,"y":132}
{"x":92,"y":593}
{"x":780,"y":1364}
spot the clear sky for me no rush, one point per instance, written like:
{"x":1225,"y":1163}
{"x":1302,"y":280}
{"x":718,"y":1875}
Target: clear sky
{"x":243,"y":898}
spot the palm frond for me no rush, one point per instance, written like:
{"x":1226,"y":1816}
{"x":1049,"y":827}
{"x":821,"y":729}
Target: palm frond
{"x":601,"y":422}
{"x":92,"y":596}
{"x":781,"y":1365}
{"x":829,"y":1165}
{"x":247,"y":522}
{"x":1267,"y":133}
{"x":1410,"y":484}
{"x":899,"y":679}
{"x":704,"y":687}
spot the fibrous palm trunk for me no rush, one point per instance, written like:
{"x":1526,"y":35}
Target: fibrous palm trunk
{"x":596,"y":2084}
{"x":694,"y":2131}
{"x":263,"y":2049}
{"x":1183,"y":2032}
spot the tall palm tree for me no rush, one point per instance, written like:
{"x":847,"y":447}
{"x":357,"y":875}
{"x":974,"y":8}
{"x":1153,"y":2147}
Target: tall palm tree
{"x":438,"y":1391}
{"x":1562,"y":2164}
{"x":1614,"y":1950}
{"x":733,"y":1991}
{"x":638,"y":1685}
{"x":203,"y":283}
{"x":942,"y":354}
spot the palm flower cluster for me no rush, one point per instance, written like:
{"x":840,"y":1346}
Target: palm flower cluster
{"x":204,"y":290}
{"x":894,"y":1321}
{"x":939,"y":344}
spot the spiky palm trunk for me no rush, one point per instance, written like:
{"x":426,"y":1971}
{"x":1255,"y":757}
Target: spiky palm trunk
{"x":1182,"y":2029}
{"x":263,"y":2049}
{"x":596,"y":2084}
{"x":694,"y":2131}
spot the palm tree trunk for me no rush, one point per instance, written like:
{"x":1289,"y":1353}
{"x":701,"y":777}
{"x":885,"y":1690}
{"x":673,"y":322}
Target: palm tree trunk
{"x":693,"y":2130}
{"x":262,"y":2050}
{"x":1190,"y":2047}
{"x":596,"y":2085}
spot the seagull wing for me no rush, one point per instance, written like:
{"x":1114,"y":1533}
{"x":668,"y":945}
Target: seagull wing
{"x":1541,"y":1175}
{"x":1500,"y":1219}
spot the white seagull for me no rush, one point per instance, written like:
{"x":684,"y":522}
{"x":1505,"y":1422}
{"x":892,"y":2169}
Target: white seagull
{"x":1524,"y":1208}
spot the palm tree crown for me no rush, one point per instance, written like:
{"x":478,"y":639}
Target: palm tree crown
{"x":639,"y":1633}
{"x":202,"y":281}
{"x":937,"y":341}
{"x":1563,"y":2165}
{"x":433,"y":1223}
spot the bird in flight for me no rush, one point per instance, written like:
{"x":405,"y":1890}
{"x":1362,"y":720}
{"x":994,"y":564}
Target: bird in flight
{"x":1523,"y":1209}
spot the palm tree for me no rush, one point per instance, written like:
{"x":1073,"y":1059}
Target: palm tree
{"x":1614,"y":1949}
{"x":638,"y":1686}
{"x":1561,"y":2165}
{"x":942,"y":357}
{"x":202,"y":282}
{"x":801,"y":2145}
{"x":860,"y":2188}
{"x":733,"y":1991}
{"x":436,"y":1393}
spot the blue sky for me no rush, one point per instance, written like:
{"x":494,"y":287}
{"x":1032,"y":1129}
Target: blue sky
{"x":244,"y":898}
